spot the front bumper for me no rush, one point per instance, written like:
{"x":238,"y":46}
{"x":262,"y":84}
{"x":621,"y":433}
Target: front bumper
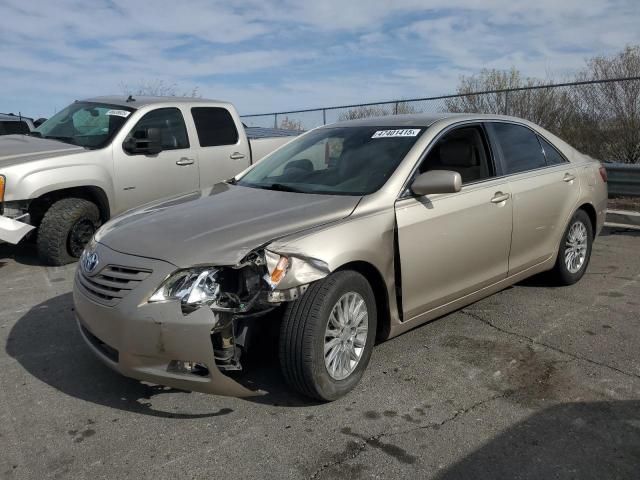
{"x":140,"y":339}
{"x":13,"y":231}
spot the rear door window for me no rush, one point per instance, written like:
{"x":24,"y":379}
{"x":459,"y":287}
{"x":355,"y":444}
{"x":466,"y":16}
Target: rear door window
{"x":521,"y":150}
{"x":215,"y":126}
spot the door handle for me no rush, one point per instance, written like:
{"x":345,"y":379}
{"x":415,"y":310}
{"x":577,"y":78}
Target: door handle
{"x":500,"y":197}
{"x":236,"y":156}
{"x":568,"y":177}
{"x":185,"y":161}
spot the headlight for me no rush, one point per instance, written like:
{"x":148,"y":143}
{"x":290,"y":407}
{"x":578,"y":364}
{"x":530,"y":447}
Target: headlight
{"x":192,"y":287}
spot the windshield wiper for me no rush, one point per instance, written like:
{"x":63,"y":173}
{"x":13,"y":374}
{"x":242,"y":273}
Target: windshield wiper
{"x":281,"y":187}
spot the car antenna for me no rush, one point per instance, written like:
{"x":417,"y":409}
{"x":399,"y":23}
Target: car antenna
{"x":130,"y":99}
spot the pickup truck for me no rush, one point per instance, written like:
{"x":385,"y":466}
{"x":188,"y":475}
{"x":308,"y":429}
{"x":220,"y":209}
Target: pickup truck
{"x":102,"y":156}
{"x":11,"y":124}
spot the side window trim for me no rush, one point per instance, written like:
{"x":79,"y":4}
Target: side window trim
{"x":493,"y":160}
{"x":184,"y":126}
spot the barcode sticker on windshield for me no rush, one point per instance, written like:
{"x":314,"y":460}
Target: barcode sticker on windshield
{"x":405,"y":132}
{"x":119,"y":113}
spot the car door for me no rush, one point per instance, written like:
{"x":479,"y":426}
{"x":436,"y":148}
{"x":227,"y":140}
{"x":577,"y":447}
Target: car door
{"x":143,"y":178}
{"x":453,"y":244}
{"x":544,"y":189}
{"x":222,"y":152}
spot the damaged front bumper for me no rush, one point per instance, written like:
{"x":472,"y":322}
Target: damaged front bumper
{"x":153,"y":342}
{"x":13,"y":230}
{"x":166,"y":342}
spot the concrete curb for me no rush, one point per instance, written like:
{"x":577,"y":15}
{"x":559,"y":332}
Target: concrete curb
{"x":623,"y":219}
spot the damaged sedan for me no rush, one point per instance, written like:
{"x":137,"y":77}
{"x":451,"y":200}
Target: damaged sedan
{"x":352,"y":233}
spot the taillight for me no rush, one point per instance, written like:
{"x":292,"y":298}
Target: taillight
{"x":3,"y":181}
{"x":603,"y":174}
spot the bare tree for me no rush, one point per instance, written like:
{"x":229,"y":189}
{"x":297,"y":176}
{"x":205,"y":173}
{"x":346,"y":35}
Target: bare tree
{"x":549,"y":107}
{"x":158,"y":88}
{"x":381,"y":110}
{"x":291,"y":124}
{"x":609,"y":112}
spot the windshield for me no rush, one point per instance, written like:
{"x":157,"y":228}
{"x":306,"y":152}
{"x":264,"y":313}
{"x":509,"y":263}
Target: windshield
{"x":336,"y":161}
{"x":87,"y":124}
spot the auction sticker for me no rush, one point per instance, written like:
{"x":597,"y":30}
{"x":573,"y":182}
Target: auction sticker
{"x":405,"y":132}
{"x":119,"y":113}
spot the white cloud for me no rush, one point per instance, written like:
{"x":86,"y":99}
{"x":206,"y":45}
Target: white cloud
{"x":282,"y":54}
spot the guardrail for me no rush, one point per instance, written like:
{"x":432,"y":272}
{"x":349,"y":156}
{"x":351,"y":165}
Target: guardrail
{"x":624,"y":179}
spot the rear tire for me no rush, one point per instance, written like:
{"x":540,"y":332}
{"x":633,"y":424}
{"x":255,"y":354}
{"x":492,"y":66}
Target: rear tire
{"x":310,"y":326}
{"x":575,"y":250}
{"x":65,"y":229}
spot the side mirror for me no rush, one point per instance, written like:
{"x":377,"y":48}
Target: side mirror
{"x":38,"y":122}
{"x":436,"y":181}
{"x":144,"y":142}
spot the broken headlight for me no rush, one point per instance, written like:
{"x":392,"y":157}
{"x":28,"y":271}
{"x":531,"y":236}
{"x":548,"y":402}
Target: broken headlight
{"x":192,"y":287}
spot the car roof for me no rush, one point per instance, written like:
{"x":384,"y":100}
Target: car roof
{"x":420,"y":119}
{"x":139,"y":101}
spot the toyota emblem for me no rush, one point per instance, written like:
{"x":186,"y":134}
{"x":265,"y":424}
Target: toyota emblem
{"x":90,"y":261}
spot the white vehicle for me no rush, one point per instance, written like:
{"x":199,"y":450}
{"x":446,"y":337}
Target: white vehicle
{"x":102,"y":156}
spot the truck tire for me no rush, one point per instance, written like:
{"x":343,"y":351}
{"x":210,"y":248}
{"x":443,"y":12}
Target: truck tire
{"x":66,"y":228}
{"x":334,"y":319}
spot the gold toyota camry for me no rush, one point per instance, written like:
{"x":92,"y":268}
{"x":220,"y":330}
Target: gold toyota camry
{"x":352,"y":232}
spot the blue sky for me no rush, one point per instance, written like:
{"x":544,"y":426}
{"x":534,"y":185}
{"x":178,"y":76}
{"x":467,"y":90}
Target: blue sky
{"x":267,"y":55}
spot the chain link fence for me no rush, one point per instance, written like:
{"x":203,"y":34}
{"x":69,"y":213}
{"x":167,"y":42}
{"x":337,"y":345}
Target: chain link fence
{"x":599,"y":117}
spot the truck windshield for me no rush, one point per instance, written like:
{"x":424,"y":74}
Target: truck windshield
{"x":87,"y":124}
{"x":336,"y":161}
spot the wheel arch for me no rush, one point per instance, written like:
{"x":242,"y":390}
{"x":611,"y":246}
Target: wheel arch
{"x":92,"y":193}
{"x":379,"y":287}
{"x":593,"y":216}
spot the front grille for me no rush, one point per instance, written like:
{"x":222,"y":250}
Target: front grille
{"x":112,"y":283}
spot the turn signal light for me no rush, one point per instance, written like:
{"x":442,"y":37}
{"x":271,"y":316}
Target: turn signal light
{"x":2,"y":184}
{"x":280,"y":270}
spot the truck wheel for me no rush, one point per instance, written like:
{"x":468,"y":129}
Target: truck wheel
{"x":575,"y":250}
{"x":66,"y":228}
{"x":327,"y":336}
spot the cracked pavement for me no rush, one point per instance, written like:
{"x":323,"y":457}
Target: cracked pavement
{"x":533,"y":382}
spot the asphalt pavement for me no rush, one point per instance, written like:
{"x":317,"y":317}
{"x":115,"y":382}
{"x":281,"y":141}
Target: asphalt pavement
{"x":533,"y":382}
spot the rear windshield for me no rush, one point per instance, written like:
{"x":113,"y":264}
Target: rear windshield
{"x":338,"y":161}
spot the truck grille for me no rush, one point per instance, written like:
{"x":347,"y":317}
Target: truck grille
{"x":112,"y":283}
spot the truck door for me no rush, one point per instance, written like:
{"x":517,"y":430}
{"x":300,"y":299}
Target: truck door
{"x":222,"y":150}
{"x":141,"y":178}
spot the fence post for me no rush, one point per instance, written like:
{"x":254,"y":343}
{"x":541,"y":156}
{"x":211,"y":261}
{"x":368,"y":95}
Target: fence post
{"x":275,"y":120}
{"x":324,"y":116}
{"x":506,"y":103}
{"x":395,"y":109}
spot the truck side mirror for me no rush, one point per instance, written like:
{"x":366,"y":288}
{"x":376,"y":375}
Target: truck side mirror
{"x":144,"y":142}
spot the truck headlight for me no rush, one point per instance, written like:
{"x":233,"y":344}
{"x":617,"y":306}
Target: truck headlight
{"x":192,"y":287}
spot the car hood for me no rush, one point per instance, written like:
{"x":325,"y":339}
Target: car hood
{"x":219,"y":225}
{"x":15,"y":149}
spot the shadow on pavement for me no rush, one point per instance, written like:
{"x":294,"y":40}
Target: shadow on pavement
{"x":46,"y":342}
{"x":573,"y":440}
{"x":25,"y":253}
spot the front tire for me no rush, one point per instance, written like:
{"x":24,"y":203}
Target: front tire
{"x":65,"y":229}
{"x":327,"y":336}
{"x":575,"y":250}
